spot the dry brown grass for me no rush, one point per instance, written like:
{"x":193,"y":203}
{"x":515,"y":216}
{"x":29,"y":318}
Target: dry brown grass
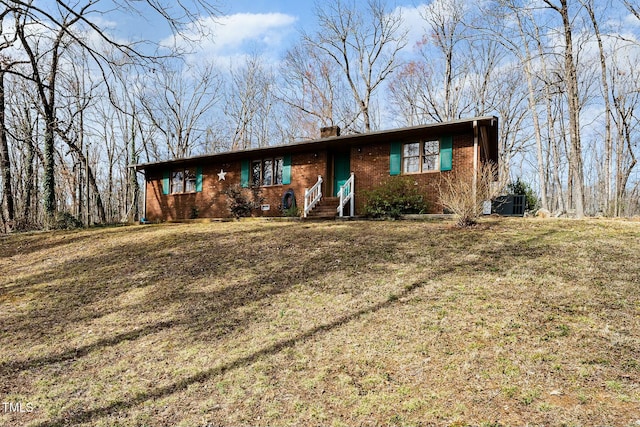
{"x":349,"y":323}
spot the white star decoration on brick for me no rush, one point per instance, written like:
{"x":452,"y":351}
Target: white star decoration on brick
{"x":222,"y":175}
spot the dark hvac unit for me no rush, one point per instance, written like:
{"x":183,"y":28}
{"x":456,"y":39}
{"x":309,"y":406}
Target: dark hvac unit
{"x":509,"y":205}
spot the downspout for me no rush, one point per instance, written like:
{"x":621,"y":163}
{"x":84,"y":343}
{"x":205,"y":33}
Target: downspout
{"x":143,"y":219}
{"x":144,"y":197}
{"x":475,"y":162}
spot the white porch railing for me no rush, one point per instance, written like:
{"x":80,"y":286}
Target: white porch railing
{"x":347,"y":193}
{"x":312,"y":196}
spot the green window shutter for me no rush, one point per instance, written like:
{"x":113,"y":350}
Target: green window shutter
{"x":244,"y":173}
{"x":395,"y":159}
{"x":199,"y":179}
{"x":166,"y":185}
{"x":286,"y":169}
{"x":446,"y":153}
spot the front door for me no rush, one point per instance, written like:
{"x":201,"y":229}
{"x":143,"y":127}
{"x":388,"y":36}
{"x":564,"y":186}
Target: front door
{"x":341,"y":170}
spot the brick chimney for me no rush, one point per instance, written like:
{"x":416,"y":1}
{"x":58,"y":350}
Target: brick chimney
{"x":329,"y":131}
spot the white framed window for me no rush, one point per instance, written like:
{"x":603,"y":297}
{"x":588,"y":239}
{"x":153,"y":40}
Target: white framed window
{"x":267,"y":172}
{"x":183,"y":180}
{"x":421,"y":156}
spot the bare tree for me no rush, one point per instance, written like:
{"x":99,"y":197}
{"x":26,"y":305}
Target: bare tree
{"x":76,"y":101}
{"x":5,"y":161}
{"x":44,"y":73}
{"x":314,"y":91}
{"x":411,"y":102}
{"x":127,"y":117}
{"x":626,"y":100}
{"x":176,"y":102}
{"x":512,"y":108}
{"x":23,"y":134}
{"x":574,"y":105}
{"x":517,"y":40}
{"x":249,"y":104}
{"x":633,"y":8}
{"x":447,"y":38}
{"x":604,"y":84}
{"x":44,"y":33}
{"x":364,"y":43}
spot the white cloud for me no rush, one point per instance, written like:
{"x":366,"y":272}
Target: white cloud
{"x":234,"y":30}
{"x":416,"y":20}
{"x":631,"y":20}
{"x":413,"y":23}
{"x":233,"y":36}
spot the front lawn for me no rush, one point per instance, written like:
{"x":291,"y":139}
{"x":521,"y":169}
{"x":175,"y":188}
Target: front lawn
{"x":517,"y":321}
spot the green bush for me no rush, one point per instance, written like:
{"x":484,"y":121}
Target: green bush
{"x":395,"y":197}
{"x":292,"y":212}
{"x":519,"y":187}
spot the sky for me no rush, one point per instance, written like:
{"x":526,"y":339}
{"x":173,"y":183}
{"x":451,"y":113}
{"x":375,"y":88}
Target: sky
{"x":263,"y":26}
{"x":266,"y":27}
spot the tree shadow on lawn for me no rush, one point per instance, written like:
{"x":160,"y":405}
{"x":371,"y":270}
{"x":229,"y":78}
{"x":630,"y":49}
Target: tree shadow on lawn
{"x":184,"y":383}
{"x":14,"y":367}
{"x":25,"y":244}
{"x":81,"y":296}
{"x":268,"y":264}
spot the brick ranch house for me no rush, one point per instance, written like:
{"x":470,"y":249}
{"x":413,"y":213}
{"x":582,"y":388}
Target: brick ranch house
{"x":180,"y":189}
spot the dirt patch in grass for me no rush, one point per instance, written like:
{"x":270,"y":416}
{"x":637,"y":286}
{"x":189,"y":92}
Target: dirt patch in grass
{"x":358,"y":323}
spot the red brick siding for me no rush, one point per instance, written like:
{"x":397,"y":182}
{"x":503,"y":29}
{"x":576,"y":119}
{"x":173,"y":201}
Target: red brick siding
{"x":370,"y":164}
{"x":212,"y":203}
{"x":371,"y":167}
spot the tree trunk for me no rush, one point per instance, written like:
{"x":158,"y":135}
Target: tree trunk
{"x":575,"y":154}
{"x":49,"y":184}
{"x":608,"y":143}
{"x":5,"y":161}
{"x":536,"y":121}
{"x":551,"y":125}
{"x":133,"y":179}
{"x":91,"y":179}
{"x":30,"y":181}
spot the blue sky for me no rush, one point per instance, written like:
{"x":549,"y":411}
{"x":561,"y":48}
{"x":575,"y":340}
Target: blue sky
{"x":301,"y":8}
{"x":267,"y":27}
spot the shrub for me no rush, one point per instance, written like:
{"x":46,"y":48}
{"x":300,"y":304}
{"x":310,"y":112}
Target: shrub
{"x":395,"y":197}
{"x":194,"y":212}
{"x":519,"y":187}
{"x":292,"y":212}
{"x":66,"y":221}
{"x":456,"y":192}
{"x":242,"y":201}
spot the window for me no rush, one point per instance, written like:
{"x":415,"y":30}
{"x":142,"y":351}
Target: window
{"x":183,"y":180}
{"x":421,"y":156}
{"x":278,"y":167}
{"x":256,"y":173}
{"x":411,"y":158}
{"x":267,"y":172}
{"x":177,"y":181}
{"x":430,"y":155}
{"x":189,"y":180}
